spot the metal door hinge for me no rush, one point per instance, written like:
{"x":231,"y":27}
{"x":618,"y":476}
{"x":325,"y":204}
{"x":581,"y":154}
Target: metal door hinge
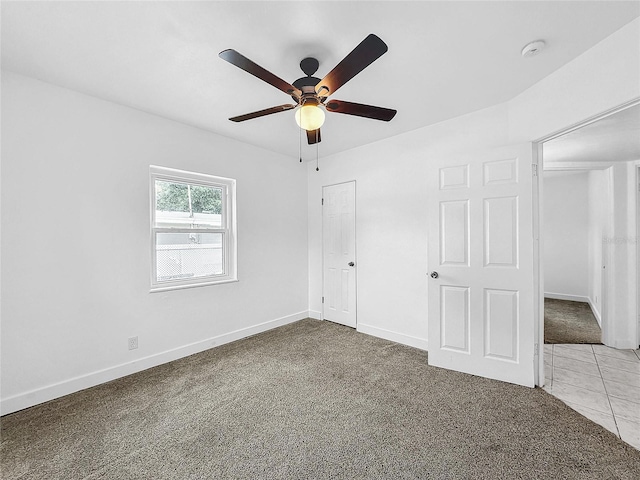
{"x":536,"y":350}
{"x":323,"y":201}
{"x":534,"y":169}
{"x":322,"y":299}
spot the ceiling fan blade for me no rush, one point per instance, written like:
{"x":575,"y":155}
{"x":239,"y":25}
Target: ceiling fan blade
{"x":360,"y":110}
{"x":256,"y":70}
{"x":369,"y":50}
{"x":313,"y":136}
{"x":262,"y":113}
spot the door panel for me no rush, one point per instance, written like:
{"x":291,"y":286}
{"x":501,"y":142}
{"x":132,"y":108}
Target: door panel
{"x":501,"y":232}
{"x":454,"y":318}
{"x":501,"y":324}
{"x":454,"y":231}
{"x":339,"y":246}
{"x":481,"y":317}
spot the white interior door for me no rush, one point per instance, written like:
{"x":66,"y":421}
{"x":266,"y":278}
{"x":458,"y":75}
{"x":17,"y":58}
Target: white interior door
{"x":339,"y":253}
{"x":481,"y":301}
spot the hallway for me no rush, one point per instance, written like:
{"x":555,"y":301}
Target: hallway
{"x":568,"y":321}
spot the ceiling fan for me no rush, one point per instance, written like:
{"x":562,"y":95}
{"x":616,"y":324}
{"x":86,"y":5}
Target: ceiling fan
{"x":311,"y":93}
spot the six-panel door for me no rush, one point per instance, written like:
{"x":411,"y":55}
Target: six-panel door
{"x":481,"y":318}
{"x":339,"y":253}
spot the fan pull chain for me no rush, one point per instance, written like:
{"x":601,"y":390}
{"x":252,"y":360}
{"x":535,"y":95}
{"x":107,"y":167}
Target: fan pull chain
{"x":300,"y":145}
{"x":317,"y":153}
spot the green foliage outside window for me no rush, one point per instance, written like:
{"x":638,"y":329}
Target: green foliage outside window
{"x":174,"y":197}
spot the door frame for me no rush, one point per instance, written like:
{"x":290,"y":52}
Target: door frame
{"x":538,"y":202}
{"x":355,"y":240}
{"x":637,"y":189}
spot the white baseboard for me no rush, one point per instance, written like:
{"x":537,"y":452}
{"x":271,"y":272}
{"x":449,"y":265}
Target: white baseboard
{"x":596,"y":313}
{"x":564,"y":296}
{"x":626,"y":344}
{"x":315,"y":315}
{"x":576,"y":298}
{"x":44,"y":394}
{"x":416,"y":342}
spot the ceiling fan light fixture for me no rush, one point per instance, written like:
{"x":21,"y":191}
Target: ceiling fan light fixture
{"x":309,"y":93}
{"x":310,"y":117}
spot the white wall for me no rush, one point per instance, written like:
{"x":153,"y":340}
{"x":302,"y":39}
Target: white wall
{"x":75,"y":242}
{"x":566,"y":235}
{"x":391,"y":223}
{"x":619,"y":250}
{"x":390,"y":176}
{"x":605,"y":76}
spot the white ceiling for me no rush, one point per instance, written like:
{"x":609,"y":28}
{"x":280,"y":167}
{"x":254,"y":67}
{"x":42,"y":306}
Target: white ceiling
{"x":445,"y":58}
{"x":615,"y":138}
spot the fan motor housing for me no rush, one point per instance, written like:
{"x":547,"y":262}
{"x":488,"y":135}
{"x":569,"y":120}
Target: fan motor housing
{"x":307,"y":85}
{"x":306,"y":82}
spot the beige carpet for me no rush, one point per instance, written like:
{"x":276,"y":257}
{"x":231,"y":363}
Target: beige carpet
{"x":309,"y":400}
{"x":570,"y":322}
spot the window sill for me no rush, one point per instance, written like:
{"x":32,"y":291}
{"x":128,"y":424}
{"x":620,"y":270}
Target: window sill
{"x":165,"y":288}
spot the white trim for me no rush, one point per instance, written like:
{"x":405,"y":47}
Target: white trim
{"x":637,"y":189}
{"x":596,"y":312}
{"x":537,"y":183}
{"x":50,"y":392}
{"x":176,"y":286}
{"x":565,"y":296}
{"x":409,"y":340}
{"x":608,"y":267}
{"x":589,"y":121}
{"x":580,"y":166}
{"x":315,"y":315}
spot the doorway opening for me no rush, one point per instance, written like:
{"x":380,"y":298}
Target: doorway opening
{"x":588,"y":207}
{"x":574,"y":212}
{"x":601,"y":156}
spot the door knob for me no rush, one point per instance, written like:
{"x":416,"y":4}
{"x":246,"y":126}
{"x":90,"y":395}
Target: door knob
{"x":351,"y":264}
{"x":433,"y":274}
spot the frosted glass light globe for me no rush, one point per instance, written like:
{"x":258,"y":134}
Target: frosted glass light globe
{"x":309,"y":117}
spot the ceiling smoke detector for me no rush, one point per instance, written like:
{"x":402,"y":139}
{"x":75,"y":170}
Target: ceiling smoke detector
{"x":533,"y":48}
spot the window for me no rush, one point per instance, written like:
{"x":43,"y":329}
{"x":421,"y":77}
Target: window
{"x":193,"y":240}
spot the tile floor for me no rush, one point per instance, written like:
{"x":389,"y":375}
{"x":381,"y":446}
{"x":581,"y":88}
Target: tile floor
{"x":601,"y":383}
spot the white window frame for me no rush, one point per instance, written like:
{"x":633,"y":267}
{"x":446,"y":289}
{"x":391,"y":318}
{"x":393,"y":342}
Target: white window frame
{"x":227,"y":228}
